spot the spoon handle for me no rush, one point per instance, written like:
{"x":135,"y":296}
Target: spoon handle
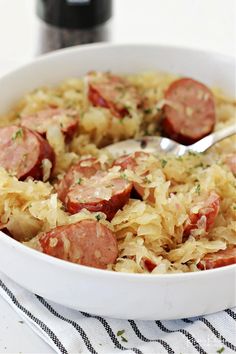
{"x":209,"y":140}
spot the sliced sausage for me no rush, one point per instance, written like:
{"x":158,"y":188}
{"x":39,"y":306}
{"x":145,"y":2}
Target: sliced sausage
{"x":85,"y":168}
{"x":127,"y":161}
{"x":205,"y":217}
{"x":113,"y":92}
{"x":99,"y":193}
{"x":67,"y":119}
{"x":131,"y":162}
{"x":86,"y":242}
{"x":22,"y":152}
{"x":190,"y":113}
{"x":218,"y":259}
{"x":149,"y":264}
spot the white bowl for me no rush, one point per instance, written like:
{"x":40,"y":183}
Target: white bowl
{"x":101,"y":292}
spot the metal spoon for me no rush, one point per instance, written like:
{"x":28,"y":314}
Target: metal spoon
{"x":158,"y":144}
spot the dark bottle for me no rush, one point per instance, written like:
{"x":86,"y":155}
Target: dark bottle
{"x":64,"y":23}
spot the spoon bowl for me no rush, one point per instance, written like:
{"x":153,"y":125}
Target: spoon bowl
{"x":158,"y":144}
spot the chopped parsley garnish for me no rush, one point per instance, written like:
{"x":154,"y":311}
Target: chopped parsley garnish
{"x":192,"y":153}
{"x":18,"y":134}
{"x":124,"y":339}
{"x":220,"y":350}
{"x":81,"y":200}
{"x":234,"y":207}
{"x":79,"y":180}
{"x":147,"y":180}
{"x":199,"y":165}
{"x":163,"y":163}
{"x":123,"y":175}
{"x":98,"y":217}
{"x":198,"y":189}
{"x":120,"y":333}
{"x":127,"y":107}
{"x":147,"y":110}
{"x":146,"y":133}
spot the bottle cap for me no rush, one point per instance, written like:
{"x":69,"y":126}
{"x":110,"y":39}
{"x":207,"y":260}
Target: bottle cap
{"x":74,"y":14}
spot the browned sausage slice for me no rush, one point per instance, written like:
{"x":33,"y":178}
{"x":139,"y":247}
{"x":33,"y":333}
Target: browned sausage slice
{"x":67,"y":119}
{"x":190,"y":113}
{"x":113,"y":92}
{"x":99,"y":193}
{"x":126,"y":161}
{"x":22,"y":152}
{"x":86,"y":242}
{"x":131,"y":162}
{"x":206,"y":215}
{"x":218,"y":259}
{"x":85,"y":168}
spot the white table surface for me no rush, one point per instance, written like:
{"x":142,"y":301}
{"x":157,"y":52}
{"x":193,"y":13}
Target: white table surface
{"x":203,"y":24}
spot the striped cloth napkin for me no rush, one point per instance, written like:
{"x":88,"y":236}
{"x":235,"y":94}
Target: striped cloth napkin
{"x":70,"y":331}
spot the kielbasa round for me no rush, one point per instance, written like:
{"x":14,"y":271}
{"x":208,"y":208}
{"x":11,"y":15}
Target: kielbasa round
{"x":218,"y":259}
{"x":67,"y":119}
{"x":189,"y":114}
{"x":131,"y":162}
{"x":207,"y":213}
{"x":86,"y":242}
{"x":113,"y":92}
{"x":22,"y":152}
{"x":101,"y":193}
{"x":85,"y":168}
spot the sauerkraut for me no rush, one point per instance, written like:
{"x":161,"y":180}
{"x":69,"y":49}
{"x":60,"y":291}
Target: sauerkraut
{"x":173,"y":187}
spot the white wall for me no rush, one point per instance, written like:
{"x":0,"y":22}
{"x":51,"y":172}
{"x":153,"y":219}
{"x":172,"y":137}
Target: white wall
{"x":205,"y":24}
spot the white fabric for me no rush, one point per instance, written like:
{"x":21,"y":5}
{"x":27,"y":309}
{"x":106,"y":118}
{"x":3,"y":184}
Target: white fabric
{"x":70,"y":331}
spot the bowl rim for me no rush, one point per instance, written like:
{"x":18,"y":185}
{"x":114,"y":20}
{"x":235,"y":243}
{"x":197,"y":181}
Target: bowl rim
{"x":105,"y":45}
{"x":77,"y":268}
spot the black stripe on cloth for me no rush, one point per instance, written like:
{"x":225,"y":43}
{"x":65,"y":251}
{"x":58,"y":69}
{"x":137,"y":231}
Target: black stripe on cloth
{"x":42,"y":325}
{"x":231,"y":314}
{"x":73,"y":323}
{"x":186,"y":320}
{"x":145,"y":339}
{"x":217,"y":334}
{"x":111,"y":333}
{"x":188,"y":335}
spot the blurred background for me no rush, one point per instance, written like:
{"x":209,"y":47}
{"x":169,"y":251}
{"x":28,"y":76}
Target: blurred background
{"x":204,"y":24}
